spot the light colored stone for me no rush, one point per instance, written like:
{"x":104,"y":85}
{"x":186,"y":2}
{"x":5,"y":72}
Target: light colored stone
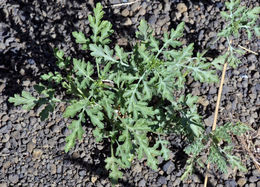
{"x":37,"y":153}
{"x":181,"y":7}
{"x":128,"y":22}
{"x":241,"y":181}
{"x":93,"y":179}
{"x":125,"y":12}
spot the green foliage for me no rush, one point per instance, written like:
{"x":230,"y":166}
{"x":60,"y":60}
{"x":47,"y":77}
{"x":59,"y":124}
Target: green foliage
{"x":238,"y":18}
{"x":129,"y":96}
{"x":27,"y":100}
{"x":219,"y":143}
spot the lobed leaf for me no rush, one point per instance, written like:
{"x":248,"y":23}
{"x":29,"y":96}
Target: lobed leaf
{"x":27,"y":100}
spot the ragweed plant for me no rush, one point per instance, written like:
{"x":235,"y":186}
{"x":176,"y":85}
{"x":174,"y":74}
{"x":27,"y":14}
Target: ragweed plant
{"x":127,"y":95}
{"x":219,"y":144}
{"x":238,"y":19}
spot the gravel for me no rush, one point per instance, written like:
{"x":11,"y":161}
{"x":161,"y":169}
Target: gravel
{"x":32,"y":152}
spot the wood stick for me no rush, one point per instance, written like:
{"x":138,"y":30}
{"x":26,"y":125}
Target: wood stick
{"x":248,"y":50}
{"x":216,"y":112}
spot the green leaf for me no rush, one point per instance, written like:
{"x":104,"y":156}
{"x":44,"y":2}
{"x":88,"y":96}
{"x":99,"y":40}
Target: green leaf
{"x":99,"y":51}
{"x":96,"y":116}
{"x":188,"y":169}
{"x":235,"y":161}
{"x":107,"y":104}
{"x":217,"y":158}
{"x":46,"y":111}
{"x":143,"y":31}
{"x":101,"y":29}
{"x":74,"y":108}
{"x":125,"y":150}
{"x":165,"y":152}
{"x":98,"y":134}
{"x":77,"y":132}
{"x":112,"y":164}
{"x":56,"y":77}
{"x":219,"y":61}
{"x":27,"y":100}
{"x":60,"y":54}
{"x":83,"y":69}
{"x":150,"y":152}
{"x":80,"y":37}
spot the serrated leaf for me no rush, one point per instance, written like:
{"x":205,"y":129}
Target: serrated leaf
{"x":80,"y":37}
{"x":98,"y":134}
{"x":236,"y":162}
{"x":143,"y":31}
{"x":99,"y":51}
{"x":101,"y":29}
{"x":83,"y":69}
{"x":188,"y":169}
{"x":96,"y":116}
{"x":150,"y":152}
{"x":77,"y":132}
{"x":74,"y":108}
{"x":27,"y":100}
{"x":112,"y":164}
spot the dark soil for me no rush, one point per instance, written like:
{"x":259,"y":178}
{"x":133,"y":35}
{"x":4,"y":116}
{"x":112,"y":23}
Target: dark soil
{"x":32,"y":152}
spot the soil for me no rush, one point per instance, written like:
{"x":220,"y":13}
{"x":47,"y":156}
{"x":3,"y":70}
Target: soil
{"x":32,"y":152}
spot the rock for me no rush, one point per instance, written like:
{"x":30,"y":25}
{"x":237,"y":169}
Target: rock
{"x":22,"y":72}
{"x":135,"y":7}
{"x":230,"y":183}
{"x":252,"y":58}
{"x":196,"y":179}
{"x":169,"y":167}
{"x":142,"y":183}
{"x":181,"y":7}
{"x":2,"y":87}
{"x":212,"y":90}
{"x":30,"y":147}
{"x":6,"y":138}
{"x":125,"y":12}
{"x":59,"y":169}
{"x":3,"y":184}
{"x":257,"y":87}
{"x":37,"y":153}
{"x":128,"y":22}
{"x":53,"y":169}
{"x":256,"y":172}
{"x":152,"y":20}
{"x":209,"y":121}
{"x":201,"y":35}
{"x":256,"y":75}
{"x":13,"y":178}
{"x":93,"y":179}
{"x":6,"y":165}
{"x":5,"y":118}
{"x":115,"y":1}
{"x":82,"y":173}
{"x":252,"y":185}
{"x":253,"y":179}
{"x":162,"y":180}
{"x":203,"y":101}
{"x":142,"y":11}
{"x":177,"y":182}
{"x":245,"y":84}
{"x":241,"y":181}
{"x":137,"y":168}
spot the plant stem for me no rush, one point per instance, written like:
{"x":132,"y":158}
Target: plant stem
{"x":217,"y":108}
